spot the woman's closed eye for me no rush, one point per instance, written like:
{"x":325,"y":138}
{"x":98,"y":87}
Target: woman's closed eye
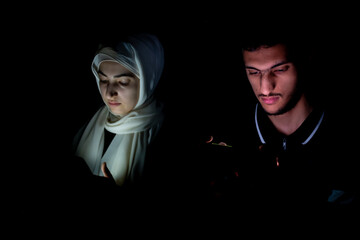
{"x":124,"y":82}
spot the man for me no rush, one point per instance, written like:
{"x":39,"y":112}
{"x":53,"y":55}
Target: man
{"x":290,"y":150}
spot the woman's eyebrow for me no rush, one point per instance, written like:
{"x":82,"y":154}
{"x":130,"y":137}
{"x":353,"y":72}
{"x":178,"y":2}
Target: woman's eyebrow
{"x":100,"y":72}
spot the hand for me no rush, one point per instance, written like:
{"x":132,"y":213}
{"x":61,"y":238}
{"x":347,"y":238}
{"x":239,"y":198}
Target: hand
{"x":107,"y":172}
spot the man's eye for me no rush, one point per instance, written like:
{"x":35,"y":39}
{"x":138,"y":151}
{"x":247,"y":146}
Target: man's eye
{"x":281,"y":69}
{"x":253,"y":72}
{"x":103,"y":81}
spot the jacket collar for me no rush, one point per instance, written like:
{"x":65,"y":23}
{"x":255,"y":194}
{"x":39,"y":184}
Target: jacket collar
{"x":267,"y":132}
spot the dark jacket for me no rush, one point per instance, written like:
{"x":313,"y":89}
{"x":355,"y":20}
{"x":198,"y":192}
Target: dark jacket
{"x":313,"y":168}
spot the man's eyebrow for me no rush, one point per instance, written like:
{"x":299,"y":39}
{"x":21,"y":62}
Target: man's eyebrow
{"x":129,"y":74}
{"x":274,"y":66}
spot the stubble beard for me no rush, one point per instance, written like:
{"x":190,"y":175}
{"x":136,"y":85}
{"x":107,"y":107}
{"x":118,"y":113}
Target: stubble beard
{"x":289,"y":105}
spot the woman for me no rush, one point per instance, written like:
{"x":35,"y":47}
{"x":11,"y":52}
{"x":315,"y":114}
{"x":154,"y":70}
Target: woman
{"x":114,"y":142}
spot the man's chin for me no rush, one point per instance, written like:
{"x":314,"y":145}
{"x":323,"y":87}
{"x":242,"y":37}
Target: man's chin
{"x":271,"y":110}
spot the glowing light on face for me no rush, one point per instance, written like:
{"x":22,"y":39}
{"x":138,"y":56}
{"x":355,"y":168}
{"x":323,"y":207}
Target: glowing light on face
{"x":273,"y":78}
{"x":119,"y":87}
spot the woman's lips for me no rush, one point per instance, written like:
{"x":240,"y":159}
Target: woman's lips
{"x":270,"y":100}
{"x":114,"y":104}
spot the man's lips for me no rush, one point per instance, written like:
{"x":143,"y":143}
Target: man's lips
{"x":270,"y":100}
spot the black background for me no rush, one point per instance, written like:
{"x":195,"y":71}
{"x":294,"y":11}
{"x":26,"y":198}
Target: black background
{"x":202,"y":76}
{"x":49,"y":90}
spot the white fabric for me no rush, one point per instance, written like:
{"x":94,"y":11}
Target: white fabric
{"x":143,"y":55}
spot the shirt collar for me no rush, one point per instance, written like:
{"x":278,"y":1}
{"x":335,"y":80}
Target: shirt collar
{"x":304,"y":133}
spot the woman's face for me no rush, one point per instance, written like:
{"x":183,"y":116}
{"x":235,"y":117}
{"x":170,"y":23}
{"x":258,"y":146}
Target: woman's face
{"x":119,"y":87}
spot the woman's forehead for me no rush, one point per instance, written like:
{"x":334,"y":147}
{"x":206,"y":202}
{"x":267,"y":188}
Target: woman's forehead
{"x":111,"y":66}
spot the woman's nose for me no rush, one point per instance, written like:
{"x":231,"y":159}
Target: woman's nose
{"x":111,"y":90}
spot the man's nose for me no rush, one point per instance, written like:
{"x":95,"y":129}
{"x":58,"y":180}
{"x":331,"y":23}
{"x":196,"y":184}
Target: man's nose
{"x":267,"y":82}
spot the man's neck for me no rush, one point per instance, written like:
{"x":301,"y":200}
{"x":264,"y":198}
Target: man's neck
{"x":290,"y":121}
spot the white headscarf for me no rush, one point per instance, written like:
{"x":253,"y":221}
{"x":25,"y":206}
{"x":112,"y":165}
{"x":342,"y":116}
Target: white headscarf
{"x":142,"y":55}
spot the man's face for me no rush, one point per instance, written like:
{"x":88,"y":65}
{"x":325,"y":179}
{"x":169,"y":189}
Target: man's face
{"x":273,"y":78}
